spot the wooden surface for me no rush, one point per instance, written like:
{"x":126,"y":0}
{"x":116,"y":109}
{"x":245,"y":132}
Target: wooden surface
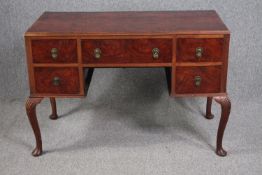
{"x":69,"y":80}
{"x":212,"y":49}
{"x":210,"y":79}
{"x":127,"y":50}
{"x":67,"y":50}
{"x":128,"y":23}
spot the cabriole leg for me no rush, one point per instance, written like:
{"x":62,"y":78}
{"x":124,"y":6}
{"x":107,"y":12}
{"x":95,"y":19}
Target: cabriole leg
{"x":225,"y":103}
{"x":31,"y":104}
{"x":54,"y":115}
{"x":209,"y":114}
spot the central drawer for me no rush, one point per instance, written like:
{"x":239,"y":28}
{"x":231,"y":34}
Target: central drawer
{"x":127,"y":50}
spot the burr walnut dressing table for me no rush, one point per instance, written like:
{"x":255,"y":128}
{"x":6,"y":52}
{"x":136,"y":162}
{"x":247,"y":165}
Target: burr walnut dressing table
{"x":192,"y":46}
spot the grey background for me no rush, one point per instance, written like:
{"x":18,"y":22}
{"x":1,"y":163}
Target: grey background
{"x":124,"y":127}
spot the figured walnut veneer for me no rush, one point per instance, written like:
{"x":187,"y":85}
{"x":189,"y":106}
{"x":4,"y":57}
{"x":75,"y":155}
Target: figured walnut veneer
{"x":212,"y":49}
{"x":68,"y":83}
{"x":67,"y":50}
{"x":127,"y":50}
{"x":210,"y":79}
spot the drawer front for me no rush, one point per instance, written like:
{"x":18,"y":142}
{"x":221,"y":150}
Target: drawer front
{"x":199,"y":49}
{"x":54,"y":51}
{"x":57,"y":80}
{"x":198,"y":79}
{"x":127,"y":50}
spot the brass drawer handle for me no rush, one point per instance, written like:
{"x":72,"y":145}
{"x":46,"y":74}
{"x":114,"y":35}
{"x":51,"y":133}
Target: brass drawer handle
{"x":54,"y":53}
{"x":155,"y":53}
{"x":97,"y":53}
{"x":199,"y":52}
{"x":198,"y":80}
{"x":56,"y":81}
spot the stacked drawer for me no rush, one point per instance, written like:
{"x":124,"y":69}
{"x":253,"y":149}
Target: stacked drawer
{"x":55,"y":66}
{"x":199,"y":65}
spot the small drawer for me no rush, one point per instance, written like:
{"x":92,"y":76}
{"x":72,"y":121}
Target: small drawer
{"x":54,"y":51}
{"x":199,"y":49}
{"x":57,"y":80}
{"x":205,"y":79}
{"x":127,"y":50}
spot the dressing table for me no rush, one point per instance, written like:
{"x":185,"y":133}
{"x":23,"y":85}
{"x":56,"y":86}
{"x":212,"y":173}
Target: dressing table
{"x":63,"y":48}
